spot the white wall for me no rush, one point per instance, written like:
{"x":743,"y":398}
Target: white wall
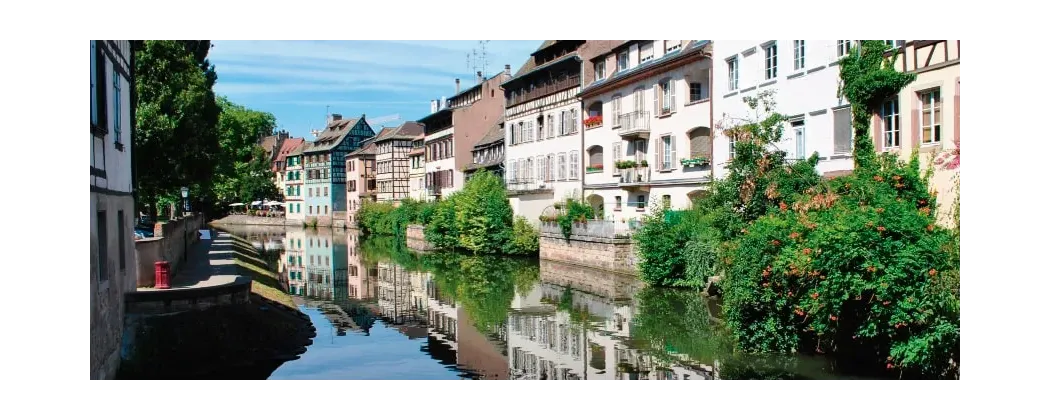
{"x":810,"y":92}
{"x":104,"y":154}
{"x":539,"y":147}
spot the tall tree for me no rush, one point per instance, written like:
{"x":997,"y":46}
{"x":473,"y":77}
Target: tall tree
{"x":242,"y":171}
{"x":176,"y":121}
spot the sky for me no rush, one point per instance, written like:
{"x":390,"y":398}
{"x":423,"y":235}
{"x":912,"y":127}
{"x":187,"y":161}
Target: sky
{"x":389,"y":81}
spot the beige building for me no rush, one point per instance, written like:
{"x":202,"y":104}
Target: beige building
{"x":417,"y":171}
{"x":925,"y":115}
{"x":392,"y":160}
{"x":360,"y":180}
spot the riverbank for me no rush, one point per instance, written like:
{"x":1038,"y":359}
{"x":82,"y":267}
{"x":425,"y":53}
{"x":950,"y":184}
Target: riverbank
{"x":245,"y":340}
{"x":246,"y":220}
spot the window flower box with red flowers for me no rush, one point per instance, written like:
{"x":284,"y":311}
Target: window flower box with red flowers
{"x":595,"y":121}
{"x":595,"y":168}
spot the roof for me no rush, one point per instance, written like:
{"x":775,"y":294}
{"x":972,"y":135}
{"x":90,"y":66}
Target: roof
{"x":408,"y":130}
{"x":485,"y":164}
{"x":434,"y":114}
{"x":523,"y":72}
{"x":368,"y":150}
{"x":690,"y":48}
{"x":287,"y":147}
{"x":495,"y":134}
{"x":332,"y":135}
{"x":298,"y":149}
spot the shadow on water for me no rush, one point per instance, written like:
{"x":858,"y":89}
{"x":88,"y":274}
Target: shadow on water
{"x":384,"y":312}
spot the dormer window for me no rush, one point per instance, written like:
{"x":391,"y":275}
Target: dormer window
{"x":645,"y":52}
{"x":621,"y":61}
{"x":599,"y":70}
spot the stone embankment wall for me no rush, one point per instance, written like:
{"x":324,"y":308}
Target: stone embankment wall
{"x":416,"y":239}
{"x":336,"y":221}
{"x":169,"y":243}
{"x":590,"y":246}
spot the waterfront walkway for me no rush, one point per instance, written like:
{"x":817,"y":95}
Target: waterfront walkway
{"x":209,"y":263}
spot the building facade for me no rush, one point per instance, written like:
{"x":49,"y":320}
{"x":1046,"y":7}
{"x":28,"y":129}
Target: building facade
{"x":280,"y":165}
{"x":392,"y":160}
{"x":113,"y":267}
{"x":293,"y":184}
{"x":803,"y":76}
{"x":417,"y":170}
{"x":488,"y":152}
{"x":360,"y":180}
{"x":455,"y":126}
{"x":273,"y":144}
{"x":324,"y":162}
{"x":647,"y":129}
{"x":924,"y":117}
{"x":543,"y":121}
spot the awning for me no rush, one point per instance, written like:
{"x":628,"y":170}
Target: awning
{"x":236,"y":204}
{"x":256,"y":203}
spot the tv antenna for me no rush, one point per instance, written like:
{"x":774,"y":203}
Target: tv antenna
{"x":478,"y":60}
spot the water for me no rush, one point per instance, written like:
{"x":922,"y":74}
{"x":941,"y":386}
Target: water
{"x":384,"y":312}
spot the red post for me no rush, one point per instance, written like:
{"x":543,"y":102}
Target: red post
{"x":161,"y":275}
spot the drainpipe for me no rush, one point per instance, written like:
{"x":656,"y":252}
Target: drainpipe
{"x":711,"y":112}
{"x":583,"y":78}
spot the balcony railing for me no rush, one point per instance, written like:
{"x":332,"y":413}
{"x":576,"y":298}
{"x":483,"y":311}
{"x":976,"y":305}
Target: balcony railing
{"x":634,"y":124}
{"x":522,"y":185}
{"x":593,"y":228}
{"x":540,"y":92}
{"x":637,"y":175}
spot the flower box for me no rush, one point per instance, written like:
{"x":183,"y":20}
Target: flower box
{"x":700,"y":161}
{"x":595,"y":121}
{"x":626,"y":164}
{"x":595,"y":168}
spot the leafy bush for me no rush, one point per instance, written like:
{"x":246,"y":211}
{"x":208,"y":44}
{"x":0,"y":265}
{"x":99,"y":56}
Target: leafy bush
{"x":484,"y":218}
{"x":524,"y":240}
{"x":386,"y":219}
{"x":575,"y":212}
{"x":441,"y":231}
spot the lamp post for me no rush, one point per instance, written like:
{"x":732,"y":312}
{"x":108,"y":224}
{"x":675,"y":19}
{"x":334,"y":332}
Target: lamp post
{"x":185,"y":199}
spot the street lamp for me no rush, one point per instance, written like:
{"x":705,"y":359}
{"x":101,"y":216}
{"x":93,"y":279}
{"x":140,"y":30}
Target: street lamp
{"x":185,"y":199}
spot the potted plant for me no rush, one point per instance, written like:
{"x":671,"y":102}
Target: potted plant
{"x":697,"y":161}
{"x":644,"y":164}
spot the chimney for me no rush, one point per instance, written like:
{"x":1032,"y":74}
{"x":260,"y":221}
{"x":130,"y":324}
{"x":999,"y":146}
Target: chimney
{"x":481,"y":77}
{"x":433,"y":106}
{"x":506,"y":70}
{"x":337,"y":117}
{"x":457,"y":85}
{"x":443,"y":104}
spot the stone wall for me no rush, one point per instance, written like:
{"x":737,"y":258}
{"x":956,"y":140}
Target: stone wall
{"x":110,"y":282}
{"x":241,"y":219}
{"x":610,"y":254}
{"x":416,"y":239}
{"x":170,"y":242}
{"x":156,"y":302}
{"x":596,"y":282}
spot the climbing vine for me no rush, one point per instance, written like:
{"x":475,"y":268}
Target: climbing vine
{"x":869,"y":78}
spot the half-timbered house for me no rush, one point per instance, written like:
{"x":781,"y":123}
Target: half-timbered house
{"x":324,"y":161}
{"x":293,"y":183}
{"x":488,"y":152}
{"x":392,"y":160}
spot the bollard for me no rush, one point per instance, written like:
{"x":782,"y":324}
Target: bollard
{"x":160,"y":280}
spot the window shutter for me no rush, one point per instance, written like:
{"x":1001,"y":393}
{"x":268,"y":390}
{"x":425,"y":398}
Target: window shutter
{"x":674,"y":145}
{"x":100,"y":86}
{"x":660,"y":154}
{"x":671,"y":84}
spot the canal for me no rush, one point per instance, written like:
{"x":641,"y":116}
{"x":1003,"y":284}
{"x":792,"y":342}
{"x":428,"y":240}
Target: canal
{"x":382,"y":311}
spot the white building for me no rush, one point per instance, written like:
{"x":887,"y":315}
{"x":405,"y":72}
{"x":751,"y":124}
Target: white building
{"x":805,"y":78}
{"x":543,"y":122}
{"x":113,"y":266}
{"x":647,"y":127}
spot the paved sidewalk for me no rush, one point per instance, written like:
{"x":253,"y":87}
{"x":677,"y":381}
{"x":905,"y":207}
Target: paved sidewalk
{"x":209,"y":263}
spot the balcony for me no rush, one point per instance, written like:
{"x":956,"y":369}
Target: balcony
{"x":635,"y":177}
{"x":521,"y":186}
{"x":634,"y":125}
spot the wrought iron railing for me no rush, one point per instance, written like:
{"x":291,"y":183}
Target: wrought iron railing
{"x":633,"y":122}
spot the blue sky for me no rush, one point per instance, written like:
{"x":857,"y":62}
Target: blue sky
{"x":388,"y":81}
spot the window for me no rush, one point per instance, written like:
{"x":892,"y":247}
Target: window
{"x":696,"y":92}
{"x":891,"y":125}
{"x":930,"y":120}
{"x":309,"y":192}
{"x":666,"y":200}
{"x":99,"y":86}
{"x":666,"y":97}
{"x":94,"y":93}
{"x":771,"y":61}
{"x":619,"y":202}
{"x":561,"y":166}
{"x":895,"y":43}
{"x":325,"y":209}
{"x":617,"y":155}
{"x":800,"y":54}
{"x":573,"y":121}
{"x":599,"y":70}
{"x":616,"y":110}
{"x":550,"y":126}
{"x":842,"y":47}
{"x":734,"y":74}
{"x":103,"y":246}
{"x":667,"y":153}
{"x":121,"y":240}
{"x":326,"y":191}
{"x":843,"y":131}
{"x":574,"y":164}
{"x":639,"y":100}
{"x":645,"y":52}
{"x":672,"y":45}
{"x":621,"y":61}
{"x":799,"y":130}
{"x":641,"y":201}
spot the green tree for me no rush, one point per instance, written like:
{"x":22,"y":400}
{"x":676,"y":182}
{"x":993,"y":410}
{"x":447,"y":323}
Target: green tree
{"x":242,"y":169}
{"x":176,"y":119}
